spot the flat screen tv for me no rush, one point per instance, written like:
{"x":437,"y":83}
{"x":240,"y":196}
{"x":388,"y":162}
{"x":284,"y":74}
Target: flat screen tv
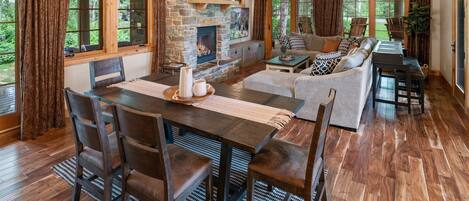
{"x":239,"y":27}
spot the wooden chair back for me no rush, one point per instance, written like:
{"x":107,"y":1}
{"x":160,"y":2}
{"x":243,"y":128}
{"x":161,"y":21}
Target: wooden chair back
{"x":88,"y":124}
{"x":395,"y":27}
{"x":319,"y":138}
{"x":106,"y":72}
{"x":358,"y":27}
{"x":142,"y":145}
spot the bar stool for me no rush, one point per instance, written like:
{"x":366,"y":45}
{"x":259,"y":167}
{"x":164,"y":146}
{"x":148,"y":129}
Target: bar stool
{"x":411,"y":80}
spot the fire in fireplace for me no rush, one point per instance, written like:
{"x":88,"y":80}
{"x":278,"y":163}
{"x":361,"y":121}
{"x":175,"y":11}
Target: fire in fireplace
{"x":206,"y":44}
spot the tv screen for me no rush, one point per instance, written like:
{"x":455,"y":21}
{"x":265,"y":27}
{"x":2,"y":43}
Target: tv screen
{"x":239,"y":27}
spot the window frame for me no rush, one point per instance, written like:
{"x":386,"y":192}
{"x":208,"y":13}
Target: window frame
{"x":130,"y":27}
{"x":110,"y":39}
{"x":79,"y":31}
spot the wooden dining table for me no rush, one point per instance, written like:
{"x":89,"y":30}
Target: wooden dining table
{"x":230,"y":131}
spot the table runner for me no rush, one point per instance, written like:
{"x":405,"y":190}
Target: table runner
{"x":274,"y":117}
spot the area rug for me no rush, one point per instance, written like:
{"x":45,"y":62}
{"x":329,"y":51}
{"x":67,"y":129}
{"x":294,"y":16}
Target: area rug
{"x":207,"y":147}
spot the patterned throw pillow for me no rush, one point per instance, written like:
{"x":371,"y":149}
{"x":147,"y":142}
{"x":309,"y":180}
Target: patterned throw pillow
{"x":297,"y":42}
{"x":344,"y":46}
{"x":285,"y":41}
{"x":325,"y":63}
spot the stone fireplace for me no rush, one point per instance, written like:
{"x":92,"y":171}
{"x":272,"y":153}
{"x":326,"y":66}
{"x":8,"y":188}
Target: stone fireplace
{"x":206,"y":44}
{"x":184,"y":22}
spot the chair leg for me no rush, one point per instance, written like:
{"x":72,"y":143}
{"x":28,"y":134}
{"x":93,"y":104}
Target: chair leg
{"x":422,"y":95}
{"x":409,"y":94}
{"x":168,"y":129}
{"x":287,"y":197}
{"x":396,"y":92}
{"x":208,"y":187}
{"x":270,"y":187}
{"x":250,"y":186}
{"x":107,"y":188}
{"x":77,"y":188}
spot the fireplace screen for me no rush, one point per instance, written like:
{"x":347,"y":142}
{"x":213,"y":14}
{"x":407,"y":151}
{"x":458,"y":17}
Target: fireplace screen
{"x":206,"y":44}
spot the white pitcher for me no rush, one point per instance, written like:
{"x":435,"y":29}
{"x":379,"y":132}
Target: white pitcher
{"x":185,"y":82}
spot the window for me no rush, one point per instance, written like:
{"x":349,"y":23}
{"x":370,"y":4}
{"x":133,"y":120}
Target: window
{"x":353,"y":9}
{"x":305,"y":8}
{"x":84,"y":26}
{"x":8,"y":42}
{"x":386,"y":9}
{"x":132,"y":23}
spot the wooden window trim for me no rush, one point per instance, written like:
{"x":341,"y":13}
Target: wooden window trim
{"x":110,"y":43}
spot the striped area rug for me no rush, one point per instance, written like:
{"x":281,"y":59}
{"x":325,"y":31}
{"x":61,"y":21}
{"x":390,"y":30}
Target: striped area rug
{"x":207,"y":147}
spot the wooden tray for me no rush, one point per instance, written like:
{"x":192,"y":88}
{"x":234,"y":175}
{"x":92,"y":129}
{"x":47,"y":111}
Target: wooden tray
{"x":171,"y":94}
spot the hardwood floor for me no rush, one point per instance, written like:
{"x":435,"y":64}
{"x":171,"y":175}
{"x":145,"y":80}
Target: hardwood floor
{"x":394,"y":156}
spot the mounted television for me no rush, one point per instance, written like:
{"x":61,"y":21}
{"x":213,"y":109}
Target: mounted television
{"x":239,"y":27}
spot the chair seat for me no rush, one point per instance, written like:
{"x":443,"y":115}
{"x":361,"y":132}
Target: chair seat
{"x":91,"y":157}
{"x":283,"y":162}
{"x":187,"y":170}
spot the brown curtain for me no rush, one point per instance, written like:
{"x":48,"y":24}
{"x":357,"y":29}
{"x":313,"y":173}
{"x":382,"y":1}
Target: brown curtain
{"x":328,"y":17}
{"x":42,"y":26}
{"x":159,"y":34}
{"x":258,"y":22}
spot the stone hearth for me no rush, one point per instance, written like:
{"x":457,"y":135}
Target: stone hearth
{"x":182,"y":22}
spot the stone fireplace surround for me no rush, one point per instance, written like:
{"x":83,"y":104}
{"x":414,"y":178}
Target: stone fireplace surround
{"x":182,"y":22}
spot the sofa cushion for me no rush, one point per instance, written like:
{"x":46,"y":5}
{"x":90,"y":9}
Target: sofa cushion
{"x":297,"y":42}
{"x":273,"y":82}
{"x":368,"y":44}
{"x":325,"y":63}
{"x":330,"y":45}
{"x":306,"y":71}
{"x":350,"y":61}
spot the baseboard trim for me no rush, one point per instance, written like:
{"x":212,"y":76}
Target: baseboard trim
{"x":9,"y":135}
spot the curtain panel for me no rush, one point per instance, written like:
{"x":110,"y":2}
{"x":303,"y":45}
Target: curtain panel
{"x":159,"y":35}
{"x":42,"y":26}
{"x":328,"y":18}
{"x":258,"y":22}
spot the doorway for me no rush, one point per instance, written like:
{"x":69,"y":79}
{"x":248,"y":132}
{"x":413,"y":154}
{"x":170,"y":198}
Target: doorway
{"x":459,"y":42}
{"x":9,"y":115}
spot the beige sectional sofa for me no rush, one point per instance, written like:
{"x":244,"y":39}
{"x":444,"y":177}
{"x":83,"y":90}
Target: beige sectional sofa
{"x":314,"y":45}
{"x":352,"y":85}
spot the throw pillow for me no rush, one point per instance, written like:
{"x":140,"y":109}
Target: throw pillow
{"x":344,"y":46}
{"x":350,"y":61}
{"x":330,"y":45}
{"x":296,"y":42}
{"x":285,"y":41}
{"x":325,"y":63}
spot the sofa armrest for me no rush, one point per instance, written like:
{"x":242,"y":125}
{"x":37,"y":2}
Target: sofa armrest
{"x":349,"y":100}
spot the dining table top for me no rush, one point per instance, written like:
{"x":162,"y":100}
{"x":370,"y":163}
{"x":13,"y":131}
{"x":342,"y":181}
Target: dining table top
{"x":241,"y":133}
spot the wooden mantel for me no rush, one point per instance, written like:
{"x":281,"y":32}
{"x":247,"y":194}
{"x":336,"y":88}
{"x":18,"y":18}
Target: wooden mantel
{"x":224,"y":4}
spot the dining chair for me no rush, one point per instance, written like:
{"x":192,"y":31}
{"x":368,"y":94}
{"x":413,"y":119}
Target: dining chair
{"x":96,"y":148}
{"x":106,"y":72}
{"x":151,"y":169}
{"x":292,"y":168}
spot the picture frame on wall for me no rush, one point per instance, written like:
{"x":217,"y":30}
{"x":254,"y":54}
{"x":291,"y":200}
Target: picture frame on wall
{"x":239,"y":26}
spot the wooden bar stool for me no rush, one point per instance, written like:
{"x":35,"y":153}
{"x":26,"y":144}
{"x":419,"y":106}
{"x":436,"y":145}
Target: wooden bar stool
{"x":96,"y":149}
{"x":151,"y":169}
{"x":290,"y":167}
{"x":410,"y":80}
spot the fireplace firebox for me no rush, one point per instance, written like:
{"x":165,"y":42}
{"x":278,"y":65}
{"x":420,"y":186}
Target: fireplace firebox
{"x":206,"y":44}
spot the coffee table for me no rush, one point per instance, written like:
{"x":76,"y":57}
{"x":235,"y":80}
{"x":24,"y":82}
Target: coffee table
{"x":278,"y":65}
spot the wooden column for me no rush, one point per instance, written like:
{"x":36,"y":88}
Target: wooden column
{"x":268,"y":29}
{"x":372,"y":18}
{"x":293,"y":15}
{"x":406,"y":13}
{"x":110,"y":26}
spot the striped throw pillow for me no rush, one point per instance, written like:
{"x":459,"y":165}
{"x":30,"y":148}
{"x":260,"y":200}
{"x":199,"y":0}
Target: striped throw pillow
{"x":297,"y":42}
{"x":344,"y":46}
